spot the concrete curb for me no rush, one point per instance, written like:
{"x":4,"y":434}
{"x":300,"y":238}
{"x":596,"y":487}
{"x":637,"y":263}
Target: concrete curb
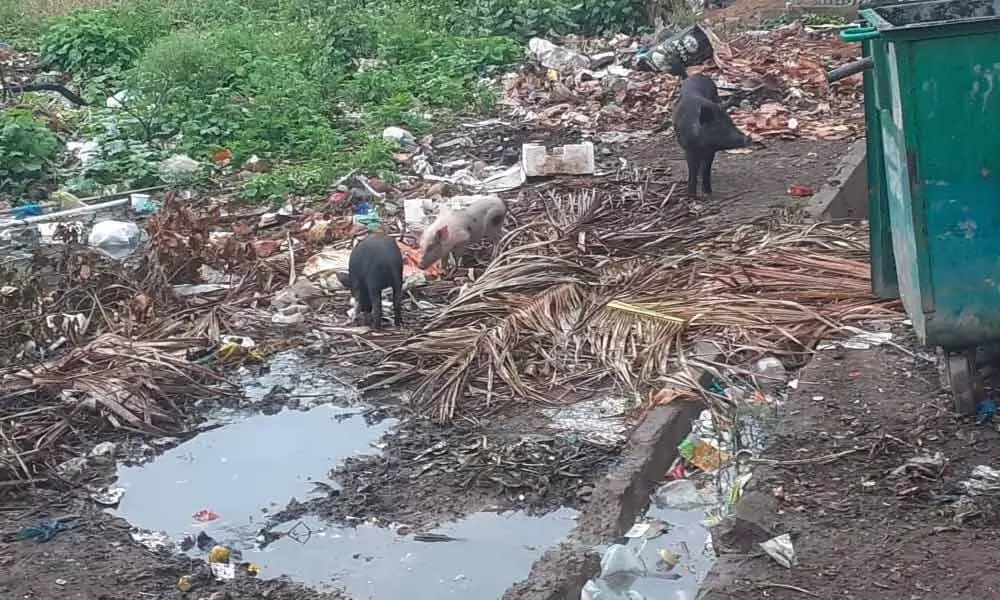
{"x":845,"y":194}
{"x":616,"y":501}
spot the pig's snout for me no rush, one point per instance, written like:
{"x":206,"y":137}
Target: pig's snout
{"x":427,"y":259}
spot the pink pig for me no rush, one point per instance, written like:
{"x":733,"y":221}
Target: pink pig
{"x":453,"y":230}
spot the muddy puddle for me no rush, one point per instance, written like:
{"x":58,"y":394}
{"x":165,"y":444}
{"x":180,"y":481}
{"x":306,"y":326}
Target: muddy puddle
{"x":227,"y":481}
{"x":687,"y":542}
{"x":242,"y":470}
{"x":487,"y":553}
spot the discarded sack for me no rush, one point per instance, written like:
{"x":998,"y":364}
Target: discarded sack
{"x":688,"y":47}
{"x":552,"y":56}
{"x":398,"y":135}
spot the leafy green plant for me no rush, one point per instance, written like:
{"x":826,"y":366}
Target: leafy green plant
{"x":807,"y":19}
{"x":15,"y":25}
{"x":239,"y":87}
{"x":28,"y":149}
{"x":314,"y":177}
{"x":596,"y":17}
{"x":519,"y":19}
{"x":425,"y":69}
{"x":305,"y":84}
{"x":311,"y":178}
{"x":523,"y":19}
{"x":88,"y":44}
{"x":132,"y":163}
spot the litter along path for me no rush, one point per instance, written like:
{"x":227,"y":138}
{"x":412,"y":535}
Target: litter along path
{"x":879,"y":485}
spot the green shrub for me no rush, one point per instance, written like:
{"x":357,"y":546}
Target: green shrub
{"x":187,"y":61}
{"x":520,"y":19}
{"x":28,"y":149}
{"x":242,"y":87}
{"x":88,"y":44}
{"x":14,"y":24}
{"x":125,"y":157}
{"x":597,"y":17}
{"x":523,"y":19}
{"x":421,"y":69}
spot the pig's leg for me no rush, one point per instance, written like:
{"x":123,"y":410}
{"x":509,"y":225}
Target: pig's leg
{"x":694,"y":166}
{"x":397,"y":300}
{"x":364,"y":299}
{"x":706,"y":173}
{"x":457,"y":254}
{"x":376,"y":299}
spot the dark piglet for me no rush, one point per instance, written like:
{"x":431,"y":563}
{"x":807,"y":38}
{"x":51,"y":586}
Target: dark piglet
{"x":375,"y":264}
{"x":703,"y":128}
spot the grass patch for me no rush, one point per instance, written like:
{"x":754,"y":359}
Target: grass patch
{"x":309,"y":82}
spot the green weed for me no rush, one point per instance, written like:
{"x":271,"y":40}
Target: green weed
{"x":309,"y":82}
{"x":28,"y":150}
{"x":88,"y":45}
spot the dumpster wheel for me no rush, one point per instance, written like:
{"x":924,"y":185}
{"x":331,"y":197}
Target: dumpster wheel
{"x":962,"y":380}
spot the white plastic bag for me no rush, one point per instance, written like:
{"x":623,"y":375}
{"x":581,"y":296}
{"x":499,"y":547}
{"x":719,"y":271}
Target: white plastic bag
{"x":117,"y":239}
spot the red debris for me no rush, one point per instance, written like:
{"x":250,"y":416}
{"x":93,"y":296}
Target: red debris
{"x":800,"y":191}
{"x":205,"y":515}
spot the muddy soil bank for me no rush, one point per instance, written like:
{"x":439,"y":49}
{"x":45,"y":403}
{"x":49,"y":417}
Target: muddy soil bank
{"x":864,"y":474}
{"x":428,"y":474}
{"x":96,"y":559}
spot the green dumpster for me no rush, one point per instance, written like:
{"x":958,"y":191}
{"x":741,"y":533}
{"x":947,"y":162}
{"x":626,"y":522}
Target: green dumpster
{"x":938,"y":63}
{"x":876,"y":93}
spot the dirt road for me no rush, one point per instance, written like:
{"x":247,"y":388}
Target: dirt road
{"x":869,"y":521}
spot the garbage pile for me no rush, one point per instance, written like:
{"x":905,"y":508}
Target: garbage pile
{"x":776,"y":81}
{"x":152,"y":286}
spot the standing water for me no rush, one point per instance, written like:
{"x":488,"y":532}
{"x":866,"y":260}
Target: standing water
{"x":240,"y":469}
{"x":225,"y":481}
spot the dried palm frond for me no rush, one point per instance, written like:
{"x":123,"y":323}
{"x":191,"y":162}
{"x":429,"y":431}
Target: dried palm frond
{"x":138,"y":386}
{"x":596,"y":284}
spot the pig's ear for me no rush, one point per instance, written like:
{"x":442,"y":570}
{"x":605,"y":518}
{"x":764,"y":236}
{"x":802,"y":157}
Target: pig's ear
{"x":707,"y":113}
{"x":442,"y":233}
{"x":344,"y":279}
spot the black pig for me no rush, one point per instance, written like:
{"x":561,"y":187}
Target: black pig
{"x":703,"y":128}
{"x":375,"y":264}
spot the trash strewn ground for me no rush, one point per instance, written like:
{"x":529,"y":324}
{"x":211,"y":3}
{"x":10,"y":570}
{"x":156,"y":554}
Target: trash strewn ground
{"x":606,"y":279}
{"x":879,"y":486}
{"x":97,"y":558}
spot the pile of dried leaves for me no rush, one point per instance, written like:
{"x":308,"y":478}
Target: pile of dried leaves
{"x":611,"y":285}
{"x":130,"y":336}
{"x":779,"y":79}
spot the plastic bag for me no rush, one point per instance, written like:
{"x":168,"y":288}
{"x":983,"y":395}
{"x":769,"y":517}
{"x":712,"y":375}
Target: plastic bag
{"x":117,"y":239}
